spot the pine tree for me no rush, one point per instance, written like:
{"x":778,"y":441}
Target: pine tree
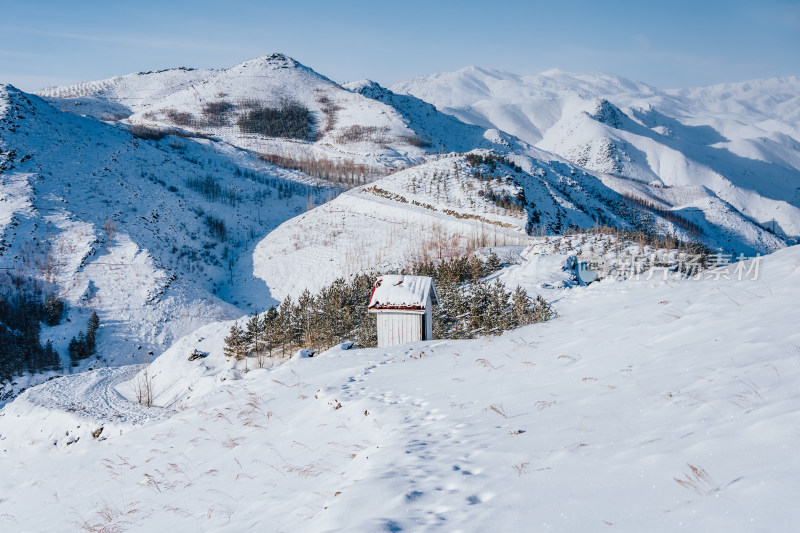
{"x":366,"y":332}
{"x":478,"y":306}
{"x":493,"y":263}
{"x":235,"y":345}
{"x":306,"y":334}
{"x":273,"y":332}
{"x":287,"y":324}
{"x":91,"y":332}
{"x":53,"y":309}
{"x":520,"y":313}
{"x":475,"y":269}
{"x":541,"y":310}
{"x":51,"y":361}
{"x":77,"y":348}
{"x":30,"y":342}
{"x":254,"y":335}
{"x":496,"y":311}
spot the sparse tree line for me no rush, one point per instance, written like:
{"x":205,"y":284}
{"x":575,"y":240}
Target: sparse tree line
{"x":671,"y":216}
{"x":339,"y":313}
{"x":358,"y":133}
{"x":516,"y":203}
{"x":469,"y":308}
{"x":336,"y":314}
{"x":24,"y":306}
{"x":492,"y":160}
{"x":216,"y":227}
{"x":645,"y":237}
{"x":284,"y":187}
{"x":484,"y":166}
{"x":291,"y":120}
{"x":148,"y":133}
{"x":347,"y":174}
{"x":212,"y":190}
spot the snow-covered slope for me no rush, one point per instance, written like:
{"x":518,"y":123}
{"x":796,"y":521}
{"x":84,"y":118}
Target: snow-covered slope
{"x":153,"y":235}
{"x":651,"y":147}
{"x":119,"y":97}
{"x":647,"y":405}
{"x":739,"y":141}
{"x":441,"y":131}
{"x":433,"y":210}
{"x":447,"y":207}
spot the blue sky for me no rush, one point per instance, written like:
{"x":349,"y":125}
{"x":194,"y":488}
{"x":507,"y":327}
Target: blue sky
{"x":668,"y":44}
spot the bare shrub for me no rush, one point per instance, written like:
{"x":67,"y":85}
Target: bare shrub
{"x":520,"y":468}
{"x":357,"y":133}
{"x":108,"y":519}
{"x":149,"y":133}
{"x":143,"y":387}
{"x":415,"y":140}
{"x":697,"y":480}
{"x":497,"y":408}
{"x":343,"y":173}
{"x":111,"y":230}
{"x":216,"y":113}
{"x":177,"y":145}
{"x":211,"y":189}
{"x":329,"y":109}
{"x":216,"y":227}
{"x":180,"y":118}
{"x":114,"y":116}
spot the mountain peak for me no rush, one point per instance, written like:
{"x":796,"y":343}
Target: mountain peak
{"x":274,"y":63}
{"x":275,"y":60}
{"x":607,"y":113}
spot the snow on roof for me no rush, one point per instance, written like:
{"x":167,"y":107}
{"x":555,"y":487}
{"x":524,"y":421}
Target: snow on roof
{"x":401,"y":292}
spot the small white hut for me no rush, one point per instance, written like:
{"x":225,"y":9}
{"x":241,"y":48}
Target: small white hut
{"x":403,"y":308}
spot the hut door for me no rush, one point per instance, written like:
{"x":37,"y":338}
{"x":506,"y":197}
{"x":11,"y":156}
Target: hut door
{"x":424,"y":335}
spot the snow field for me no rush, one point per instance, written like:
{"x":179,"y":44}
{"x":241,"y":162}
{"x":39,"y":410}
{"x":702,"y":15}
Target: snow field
{"x":646,"y":405}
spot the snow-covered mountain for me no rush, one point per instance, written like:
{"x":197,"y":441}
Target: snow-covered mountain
{"x":442,"y":132}
{"x":525,"y":106}
{"x":83,"y":199}
{"x":734,"y":145}
{"x":656,"y":401}
{"x":667,"y":155}
{"x":152,"y":234}
{"x":346,"y":124}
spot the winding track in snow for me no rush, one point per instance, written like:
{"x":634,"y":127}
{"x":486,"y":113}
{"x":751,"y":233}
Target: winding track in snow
{"x":93,"y":394}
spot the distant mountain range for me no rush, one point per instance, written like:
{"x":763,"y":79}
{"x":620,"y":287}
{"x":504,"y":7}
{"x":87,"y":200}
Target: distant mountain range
{"x":736,"y":143}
